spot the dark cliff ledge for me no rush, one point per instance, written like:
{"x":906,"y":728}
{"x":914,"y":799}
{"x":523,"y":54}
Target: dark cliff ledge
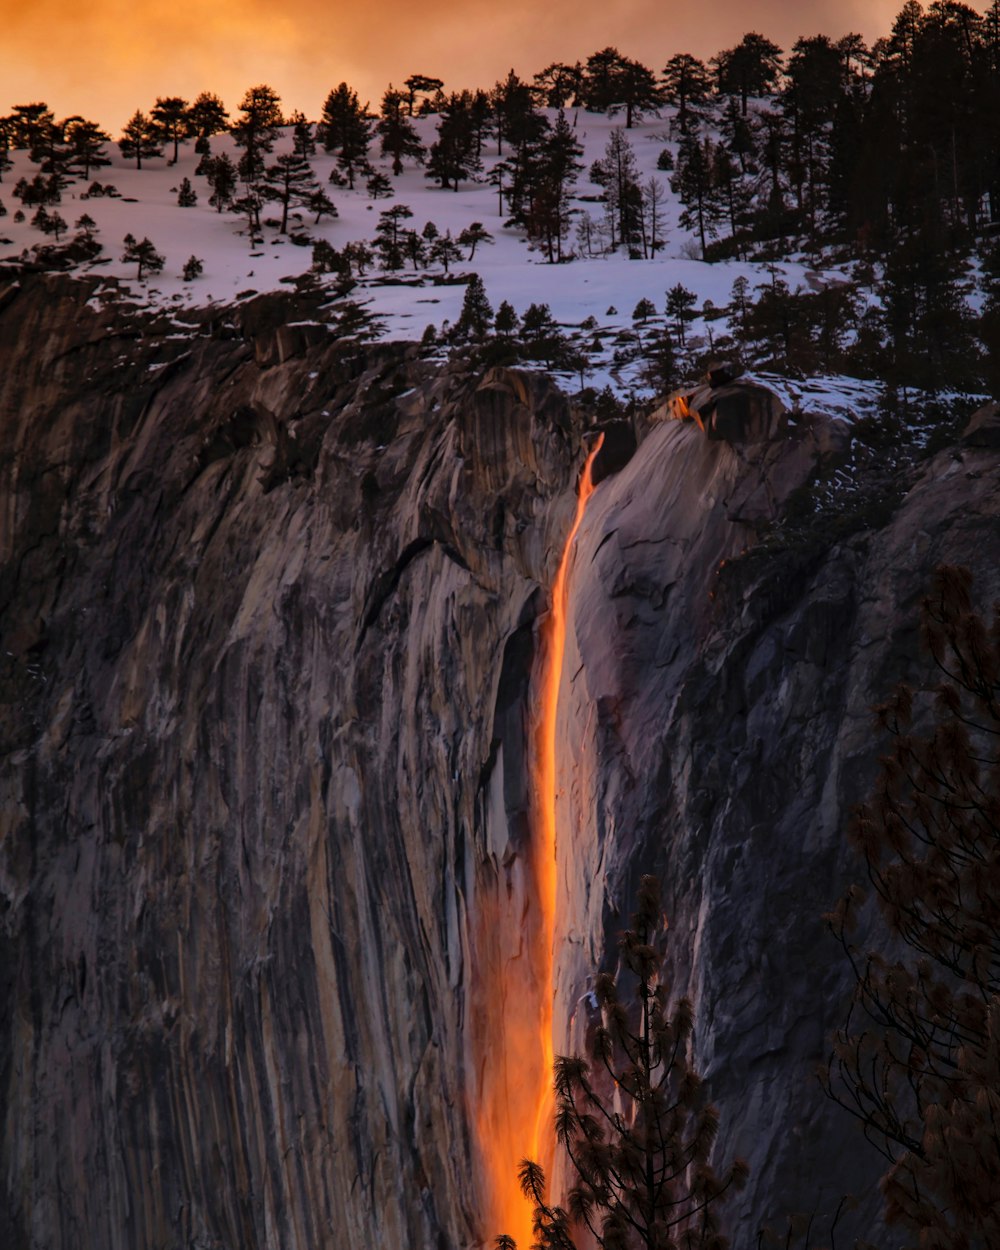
{"x":266,"y":604}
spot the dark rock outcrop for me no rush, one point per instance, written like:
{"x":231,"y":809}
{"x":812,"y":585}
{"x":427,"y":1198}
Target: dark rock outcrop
{"x":268,"y":605}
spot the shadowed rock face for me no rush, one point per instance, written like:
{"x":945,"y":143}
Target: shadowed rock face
{"x":267,"y":607}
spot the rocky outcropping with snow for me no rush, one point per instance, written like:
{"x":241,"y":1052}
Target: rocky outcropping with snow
{"x":268,"y":606}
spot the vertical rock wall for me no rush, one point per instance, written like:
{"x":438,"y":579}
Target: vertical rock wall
{"x":255,"y":617}
{"x":267,"y":608}
{"x":717,"y":729}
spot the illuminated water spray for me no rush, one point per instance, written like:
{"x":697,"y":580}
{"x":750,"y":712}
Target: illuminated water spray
{"x":513,"y":1030}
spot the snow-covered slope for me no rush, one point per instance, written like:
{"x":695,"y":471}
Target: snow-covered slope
{"x":606,"y":288}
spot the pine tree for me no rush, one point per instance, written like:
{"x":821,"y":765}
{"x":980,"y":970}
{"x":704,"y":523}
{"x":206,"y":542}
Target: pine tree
{"x":171,"y":120}
{"x":680,"y":302}
{"x":517,"y":120}
{"x":143,"y":254}
{"x":6,"y":138}
{"x":452,"y":157}
{"x":559,"y":83}
{"x":444,"y":250}
{"x":612,"y":82}
{"x":642,"y":1174}
{"x":140,"y":138}
{"x":506,"y":319}
{"x":208,"y":115}
{"x":193,"y":268}
{"x":389,"y":236}
{"x":303,"y":140}
{"x":399,"y":138}
{"x":659,"y":368}
{"x":751,"y":68}
{"x":40,"y":190}
{"x":815,"y":91}
{"x":542,"y":337}
{"x":652,"y":217}
{"x":618,"y":173}
{"x":31,"y":127}
{"x":638,"y":91}
{"x":249,"y":206}
{"x":48,"y":223}
{"x":473,"y":235}
{"x":477,"y":315}
{"x":84,"y":140}
{"x":289,"y":181}
{"x":929,"y":323}
{"x":187,"y":197}
{"x":482,"y":118}
{"x":918,"y":1060}
{"x":555,"y":169}
{"x":255,"y":131}
{"x":423,"y":84}
{"x":321,"y":204}
{"x":326,"y":259}
{"x":222,"y":178}
{"x":686,"y":81}
{"x":695,"y":187}
{"x":414,"y":248}
{"x":345,"y":129}
{"x":360,"y":255}
{"x":379,"y":187}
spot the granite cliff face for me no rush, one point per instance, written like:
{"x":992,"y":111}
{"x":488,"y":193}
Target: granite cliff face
{"x":268,"y":614}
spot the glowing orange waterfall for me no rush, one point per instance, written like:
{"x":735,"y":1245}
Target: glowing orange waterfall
{"x":544,"y":849}
{"x":512,"y":1016}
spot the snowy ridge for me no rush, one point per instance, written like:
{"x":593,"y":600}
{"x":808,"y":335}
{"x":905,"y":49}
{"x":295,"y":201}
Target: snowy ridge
{"x":605,"y":288}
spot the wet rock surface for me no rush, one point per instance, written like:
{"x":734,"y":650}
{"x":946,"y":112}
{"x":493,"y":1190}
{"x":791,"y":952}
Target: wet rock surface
{"x":268,"y":608}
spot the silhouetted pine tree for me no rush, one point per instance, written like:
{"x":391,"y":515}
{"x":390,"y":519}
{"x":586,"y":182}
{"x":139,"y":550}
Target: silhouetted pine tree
{"x":140,"y":138}
{"x":222,"y":178}
{"x":420,"y":84}
{"x":695,"y":186}
{"x":476,"y":317}
{"x":452,"y":158}
{"x":618,"y":173}
{"x":473,"y":235}
{"x":399,"y":138}
{"x":31,"y":127}
{"x":303,"y":139}
{"x":543,"y":206}
{"x":633,"y":1118}
{"x":685,"y":82}
{"x":85,"y":144}
{"x":208,"y":115}
{"x":171,"y":120}
{"x":389,"y":235}
{"x":918,"y":1061}
{"x":345,"y":129}
{"x":289,"y":181}
{"x":752,"y":68}
{"x":256,"y":129}
{"x":613,"y":83}
{"x":559,"y":84}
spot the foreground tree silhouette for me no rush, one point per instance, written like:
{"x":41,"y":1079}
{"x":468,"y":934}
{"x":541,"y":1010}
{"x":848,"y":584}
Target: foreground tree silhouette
{"x":918,"y":1060}
{"x":633,"y":1119}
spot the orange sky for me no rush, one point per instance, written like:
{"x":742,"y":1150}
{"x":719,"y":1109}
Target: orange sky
{"x":105,"y":58}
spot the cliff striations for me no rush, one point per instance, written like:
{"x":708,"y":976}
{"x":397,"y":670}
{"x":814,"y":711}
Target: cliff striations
{"x":269,"y":608}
